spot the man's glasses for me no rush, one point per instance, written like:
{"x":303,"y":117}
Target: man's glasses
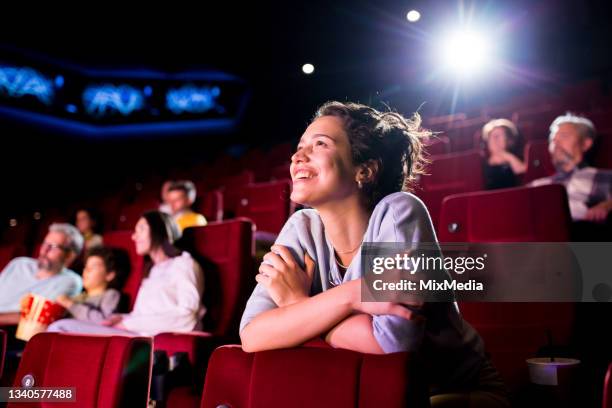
{"x":50,"y":245}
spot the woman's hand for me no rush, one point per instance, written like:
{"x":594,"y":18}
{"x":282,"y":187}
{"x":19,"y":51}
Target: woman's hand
{"x":381,"y":308}
{"x":64,"y":301}
{"x":113,"y":320}
{"x":286,"y":282}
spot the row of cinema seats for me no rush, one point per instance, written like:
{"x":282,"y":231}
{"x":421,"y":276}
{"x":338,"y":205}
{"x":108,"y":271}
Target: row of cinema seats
{"x":512,"y":331}
{"x":115,"y":371}
{"x":266,"y":204}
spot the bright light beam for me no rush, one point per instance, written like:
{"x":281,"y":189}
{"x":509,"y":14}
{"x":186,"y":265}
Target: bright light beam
{"x":465,"y":53}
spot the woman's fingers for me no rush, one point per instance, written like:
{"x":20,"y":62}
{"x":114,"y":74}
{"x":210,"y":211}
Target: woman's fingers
{"x":268,"y":270}
{"x":284,"y":253}
{"x":263,"y":279}
{"x":310,"y":266}
{"x":275,"y":260}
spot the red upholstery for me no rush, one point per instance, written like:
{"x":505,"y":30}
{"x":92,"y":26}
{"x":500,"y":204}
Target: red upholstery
{"x":311,"y":377}
{"x":123,"y":240}
{"x":225,"y":251}
{"x":530,"y":214}
{"x":449,"y":174}
{"x":8,"y":252}
{"x":107,"y":371}
{"x":210,"y":204}
{"x":267,"y":204}
{"x":280,"y":172}
{"x":512,"y":331}
{"x":537,"y":158}
{"x":130,"y":213}
{"x":2,"y":350}
{"x":607,"y":396}
{"x":232,"y":190}
{"x":462,"y":135}
{"x":437,"y":145}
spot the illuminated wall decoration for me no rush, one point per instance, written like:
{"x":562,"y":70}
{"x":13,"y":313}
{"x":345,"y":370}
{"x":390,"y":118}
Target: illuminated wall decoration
{"x":17,"y":82}
{"x":120,"y":101}
{"x":191,"y":99}
{"x":106,"y":99}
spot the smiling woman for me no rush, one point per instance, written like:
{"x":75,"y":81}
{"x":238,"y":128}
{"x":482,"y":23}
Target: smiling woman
{"x":352,"y":166}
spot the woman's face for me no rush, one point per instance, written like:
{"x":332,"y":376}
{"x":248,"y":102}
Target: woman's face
{"x":497,"y":141}
{"x":322,"y":169}
{"x":84,"y":223}
{"x":142,"y":237}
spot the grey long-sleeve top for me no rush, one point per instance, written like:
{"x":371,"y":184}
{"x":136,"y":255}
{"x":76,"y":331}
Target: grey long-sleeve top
{"x":95,"y":308}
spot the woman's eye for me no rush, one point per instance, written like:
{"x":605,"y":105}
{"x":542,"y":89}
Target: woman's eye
{"x":320,"y":143}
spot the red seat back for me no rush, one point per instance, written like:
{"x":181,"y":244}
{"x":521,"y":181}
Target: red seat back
{"x":537,"y":158}
{"x":522,"y":214}
{"x":267,"y":204}
{"x":129,"y":214}
{"x":311,"y":377}
{"x":210,"y":205}
{"x":123,"y":240}
{"x":107,"y":371}
{"x":449,"y":174}
{"x":225,"y":251}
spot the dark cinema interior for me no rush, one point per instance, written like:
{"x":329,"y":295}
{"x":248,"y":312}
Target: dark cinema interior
{"x":192,"y":195}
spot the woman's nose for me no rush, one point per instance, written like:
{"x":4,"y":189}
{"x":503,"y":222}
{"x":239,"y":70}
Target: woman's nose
{"x":299,"y":156}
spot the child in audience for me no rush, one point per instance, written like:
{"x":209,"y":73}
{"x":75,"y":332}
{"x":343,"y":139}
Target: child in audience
{"x":169,"y":298}
{"x":101,"y":278}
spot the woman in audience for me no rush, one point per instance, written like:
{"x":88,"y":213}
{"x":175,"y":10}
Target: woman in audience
{"x":88,"y":223}
{"x":169,"y":298}
{"x":503,"y":151}
{"x":350,"y":167}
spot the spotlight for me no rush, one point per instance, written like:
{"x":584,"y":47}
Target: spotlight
{"x":413,"y":16}
{"x":308,"y":69}
{"x":465,"y":52}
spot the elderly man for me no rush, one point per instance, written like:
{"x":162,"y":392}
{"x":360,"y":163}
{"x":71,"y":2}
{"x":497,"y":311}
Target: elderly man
{"x":47,"y":276}
{"x":589,"y":190}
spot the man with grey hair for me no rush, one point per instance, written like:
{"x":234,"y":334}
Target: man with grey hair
{"x":589,"y":190}
{"x":47,"y":276}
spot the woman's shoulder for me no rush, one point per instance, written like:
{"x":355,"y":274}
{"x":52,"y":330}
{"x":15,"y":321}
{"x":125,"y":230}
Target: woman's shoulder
{"x":401,"y":202}
{"x":305,"y":218}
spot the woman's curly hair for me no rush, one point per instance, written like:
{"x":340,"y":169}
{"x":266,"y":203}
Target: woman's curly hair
{"x":388,"y":138}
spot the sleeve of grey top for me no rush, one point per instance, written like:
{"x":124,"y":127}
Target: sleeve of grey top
{"x":260,"y":301}
{"x":97,"y":313}
{"x":403,"y":219}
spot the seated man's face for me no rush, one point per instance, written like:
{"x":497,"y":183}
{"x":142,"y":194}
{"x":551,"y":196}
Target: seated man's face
{"x":53,"y":252}
{"x":567,"y":146}
{"x":178,"y":201}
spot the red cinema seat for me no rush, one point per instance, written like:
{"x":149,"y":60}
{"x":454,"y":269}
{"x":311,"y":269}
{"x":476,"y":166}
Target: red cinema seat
{"x":437,"y":145}
{"x":512,"y":331}
{"x":106,"y":371}
{"x":607,"y":396}
{"x":449,"y":174}
{"x":267,"y":204}
{"x":312,"y":377}
{"x":2,"y":350}
{"x":225,"y":251}
{"x":17,"y":231}
{"x":521,"y":214}
{"x":232,"y":190}
{"x":537,"y":158}
{"x":123,"y":240}
{"x":129,"y":214}
{"x":210,"y":204}
{"x":281,"y":172}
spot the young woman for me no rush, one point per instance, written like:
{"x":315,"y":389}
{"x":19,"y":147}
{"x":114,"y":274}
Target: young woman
{"x":503,"y":151}
{"x":350,"y":167}
{"x":169,"y":298}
